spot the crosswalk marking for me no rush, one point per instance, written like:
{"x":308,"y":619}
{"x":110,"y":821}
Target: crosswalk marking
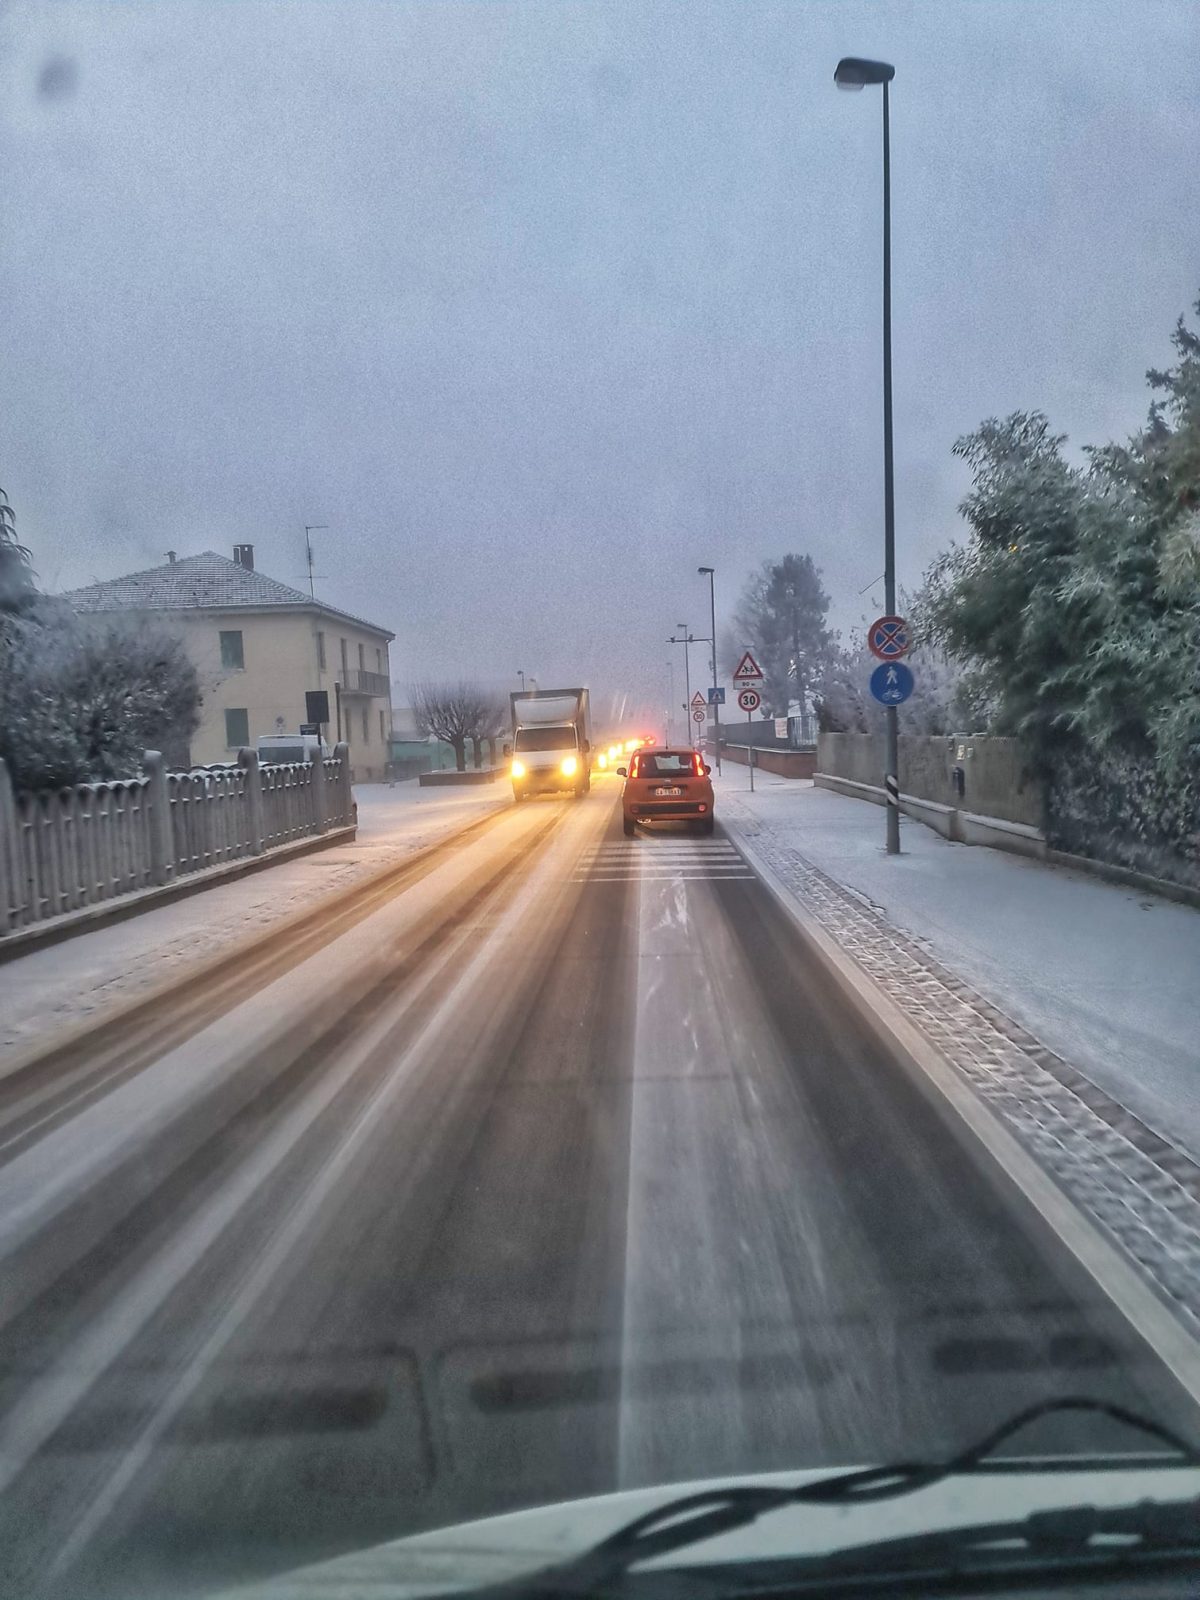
{"x":661,"y":861}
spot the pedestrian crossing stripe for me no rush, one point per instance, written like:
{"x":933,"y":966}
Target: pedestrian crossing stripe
{"x":662,"y":861}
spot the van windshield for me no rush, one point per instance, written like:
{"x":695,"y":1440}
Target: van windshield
{"x":558,"y":738}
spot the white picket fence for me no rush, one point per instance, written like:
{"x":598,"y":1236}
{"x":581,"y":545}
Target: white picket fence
{"x":66,"y":849}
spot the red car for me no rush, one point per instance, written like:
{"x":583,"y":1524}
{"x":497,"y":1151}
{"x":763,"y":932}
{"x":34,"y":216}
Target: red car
{"x":666,"y":786}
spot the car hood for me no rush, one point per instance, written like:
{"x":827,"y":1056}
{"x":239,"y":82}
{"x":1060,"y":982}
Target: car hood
{"x":497,"y":1549}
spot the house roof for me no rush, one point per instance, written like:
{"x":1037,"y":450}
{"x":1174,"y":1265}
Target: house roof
{"x":207,"y":582}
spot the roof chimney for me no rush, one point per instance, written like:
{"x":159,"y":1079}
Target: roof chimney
{"x":171,"y":557}
{"x":243,"y":554}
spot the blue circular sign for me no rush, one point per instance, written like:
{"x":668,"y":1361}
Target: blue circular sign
{"x":892,"y":683}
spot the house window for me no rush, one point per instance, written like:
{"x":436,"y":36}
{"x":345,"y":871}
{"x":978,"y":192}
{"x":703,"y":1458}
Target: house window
{"x":232,"y":652}
{"x":382,"y":726}
{"x":362,"y":659}
{"x":366,"y":725}
{"x":379,"y":662}
{"x":320,"y":651}
{"x":237,"y":726}
{"x":343,"y":660}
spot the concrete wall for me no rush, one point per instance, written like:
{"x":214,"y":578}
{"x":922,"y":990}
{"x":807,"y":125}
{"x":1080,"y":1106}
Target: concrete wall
{"x":994,"y":782}
{"x":785,"y":763}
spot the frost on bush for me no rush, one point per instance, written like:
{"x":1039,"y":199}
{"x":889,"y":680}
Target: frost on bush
{"x":82,"y":698}
{"x":1077,"y":599}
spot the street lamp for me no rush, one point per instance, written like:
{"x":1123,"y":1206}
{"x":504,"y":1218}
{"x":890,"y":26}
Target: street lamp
{"x":854,"y":73}
{"x":521,"y":675}
{"x":710,"y":573}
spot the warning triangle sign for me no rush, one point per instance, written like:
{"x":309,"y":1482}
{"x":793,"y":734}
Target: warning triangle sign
{"x":748,"y":669}
{"x":698,"y":699}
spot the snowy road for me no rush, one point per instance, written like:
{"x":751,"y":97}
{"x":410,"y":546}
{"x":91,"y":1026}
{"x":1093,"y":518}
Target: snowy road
{"x":564,"y":1170}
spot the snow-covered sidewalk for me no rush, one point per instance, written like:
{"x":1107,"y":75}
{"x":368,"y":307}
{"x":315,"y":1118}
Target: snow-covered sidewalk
{"x":1107,"y":977}
{"x":66,"y":983}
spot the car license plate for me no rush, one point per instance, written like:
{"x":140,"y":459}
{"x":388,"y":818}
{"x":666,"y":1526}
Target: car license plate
{"x":668,"y":794}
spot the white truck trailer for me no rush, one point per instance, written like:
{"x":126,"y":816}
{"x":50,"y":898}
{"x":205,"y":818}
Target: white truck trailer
{"x":552,"y":742}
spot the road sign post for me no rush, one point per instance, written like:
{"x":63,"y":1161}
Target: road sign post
{"x":889,"y":638}
{"x":748,"y":675}
{"x":749,"y":699}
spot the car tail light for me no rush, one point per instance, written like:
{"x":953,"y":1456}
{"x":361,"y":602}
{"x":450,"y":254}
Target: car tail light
{"x":702,"y":806}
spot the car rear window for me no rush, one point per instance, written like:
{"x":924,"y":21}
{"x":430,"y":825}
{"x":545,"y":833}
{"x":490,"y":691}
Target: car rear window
{"x":675,"y":764}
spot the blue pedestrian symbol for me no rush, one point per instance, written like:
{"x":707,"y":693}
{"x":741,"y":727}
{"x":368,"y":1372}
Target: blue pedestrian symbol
{"x":716,"y":696}
{"x":892,"y":683}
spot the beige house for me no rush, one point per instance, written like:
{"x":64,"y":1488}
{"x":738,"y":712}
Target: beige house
{"x":260,"y":647}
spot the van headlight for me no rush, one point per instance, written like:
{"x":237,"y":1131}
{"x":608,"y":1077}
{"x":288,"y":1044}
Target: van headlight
{"x":518,"y":768}
{"x":569,"y":766}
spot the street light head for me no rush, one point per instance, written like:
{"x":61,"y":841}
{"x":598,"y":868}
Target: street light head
{"x":853,"y":72}
{"x":706,"y":571}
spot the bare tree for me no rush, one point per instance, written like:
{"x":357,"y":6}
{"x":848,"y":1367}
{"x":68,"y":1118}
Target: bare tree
{"x":495,"y":722}
{"x":452,"y":712}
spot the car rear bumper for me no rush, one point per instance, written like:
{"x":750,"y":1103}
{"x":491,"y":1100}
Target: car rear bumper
{"x":647,"y":810}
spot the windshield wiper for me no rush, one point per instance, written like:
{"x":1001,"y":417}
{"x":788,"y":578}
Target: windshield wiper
{"x":692,"y":1519}
{"x":1093,"y":1539}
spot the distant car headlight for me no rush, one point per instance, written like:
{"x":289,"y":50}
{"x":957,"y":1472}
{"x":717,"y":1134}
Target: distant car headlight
{"x":568,"y":767}
{"x":602,"y":760}
{"x":518,"y":769}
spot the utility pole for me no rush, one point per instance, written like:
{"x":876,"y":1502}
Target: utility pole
{"x":712,"y":606}
{"x":855,"y":73}
{"x":687,"y":675}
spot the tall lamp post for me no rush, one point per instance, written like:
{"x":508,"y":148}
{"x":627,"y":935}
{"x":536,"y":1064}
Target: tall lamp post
{"x":521,"y":675}
{"x":854,"y":73}
{"x":710,"y":573}
{"x":687,"y":674}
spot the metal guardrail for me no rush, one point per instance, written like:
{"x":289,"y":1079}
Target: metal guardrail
{"x":64,"y":850}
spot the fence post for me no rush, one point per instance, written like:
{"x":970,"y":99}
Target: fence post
{"x":320,"y":805}
{"x":341,"y":754}
{"x":9,"y":852}
{"x":162,"y":846}
{"x":248,"y":761}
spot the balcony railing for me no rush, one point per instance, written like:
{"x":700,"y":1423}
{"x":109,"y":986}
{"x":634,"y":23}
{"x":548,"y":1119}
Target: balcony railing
{"x":369,"y":683}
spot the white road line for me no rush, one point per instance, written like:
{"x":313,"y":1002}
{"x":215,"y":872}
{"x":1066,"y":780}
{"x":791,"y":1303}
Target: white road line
{"x":664,"y":850}
{"x":669,"y":877}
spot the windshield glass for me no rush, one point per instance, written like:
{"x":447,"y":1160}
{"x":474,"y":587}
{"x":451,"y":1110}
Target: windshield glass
{"x":664,"y":765}
{"x":546,"y":739}
{"x":599,"y":766}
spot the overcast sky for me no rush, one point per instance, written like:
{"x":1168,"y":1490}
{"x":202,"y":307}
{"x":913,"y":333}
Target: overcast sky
{"x":541,"y":306}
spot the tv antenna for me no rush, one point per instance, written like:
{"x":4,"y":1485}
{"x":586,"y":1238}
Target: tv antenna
{"x":309,"y":529}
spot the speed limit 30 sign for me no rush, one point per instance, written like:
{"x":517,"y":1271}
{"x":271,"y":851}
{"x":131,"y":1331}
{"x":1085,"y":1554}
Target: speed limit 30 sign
{"x":749,"y":699}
